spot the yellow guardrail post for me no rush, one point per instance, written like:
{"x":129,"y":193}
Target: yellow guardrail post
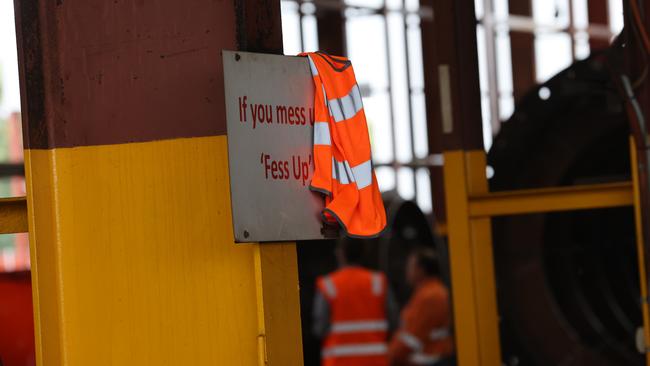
{"x":472,"y":268}
{"x":638,"y":223}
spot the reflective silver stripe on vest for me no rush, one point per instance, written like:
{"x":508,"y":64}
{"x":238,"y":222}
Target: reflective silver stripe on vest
{"x":312,"y":66}
{"x":376,"y":283}
{"x":329,"y":287}
{"x":342,"y":172}
{"x":362,"y":349}
{"x":439,"y":334}
{"x":347,"y":106}
{"x":423,"y":359}
{"x":322,"y":134}
{"x":359,"y":326}
{"x":410,"y":340}
{"x":360,"y":174}
{"x":363,"y":174}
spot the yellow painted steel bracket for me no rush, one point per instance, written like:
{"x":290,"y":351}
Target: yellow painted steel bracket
{"x":528,"y":201}
{"x":470,"y":206}
{"x":472,"y":267}
{"x":13,"y":215}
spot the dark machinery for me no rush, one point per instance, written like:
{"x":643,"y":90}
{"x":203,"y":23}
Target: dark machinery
{"x":568,"y":287}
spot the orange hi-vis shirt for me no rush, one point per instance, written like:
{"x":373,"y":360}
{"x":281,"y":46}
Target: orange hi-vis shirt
{"x":342,"y":157}
{"x":358,"y":333}
{"x":424,"y":337}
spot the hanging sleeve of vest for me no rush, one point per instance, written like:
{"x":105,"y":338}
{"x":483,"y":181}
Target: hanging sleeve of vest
{"x":343,"y":169}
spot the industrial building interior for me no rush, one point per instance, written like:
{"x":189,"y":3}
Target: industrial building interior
{"x":507,"y":135}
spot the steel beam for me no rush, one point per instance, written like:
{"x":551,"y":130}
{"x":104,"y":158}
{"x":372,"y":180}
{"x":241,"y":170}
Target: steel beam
{"x":551,"y":199}
{"x":461,"y":128}
{"x":458,"y":79}
{"x":523,"y":52}
{"x":472,"y":268}
{"x":129,"y":216}
{"x":598,"y":11}
{"x":434,"y":123}
{"x":331,"y":28}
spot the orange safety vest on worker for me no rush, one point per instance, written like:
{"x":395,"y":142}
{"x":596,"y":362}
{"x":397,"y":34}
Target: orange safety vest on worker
{"x":424,"y":337}
{"x":342,"y":158}
{"x":358,"y":320}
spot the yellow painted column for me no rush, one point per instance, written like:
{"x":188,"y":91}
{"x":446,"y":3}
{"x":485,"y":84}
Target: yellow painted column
{"x":134,"y":262}
{"x":484,"y":275}
{"x":278,"y":305}
{"x":129,"y":213}
{"x":461,"y":259}
{"x":472,"y":266}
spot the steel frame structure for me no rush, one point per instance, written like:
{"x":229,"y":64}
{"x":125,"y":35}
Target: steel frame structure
{"x":470,"y":207}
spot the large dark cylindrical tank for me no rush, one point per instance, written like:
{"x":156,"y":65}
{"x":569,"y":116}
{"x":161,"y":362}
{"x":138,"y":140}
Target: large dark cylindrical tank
{"x":568,"y":289}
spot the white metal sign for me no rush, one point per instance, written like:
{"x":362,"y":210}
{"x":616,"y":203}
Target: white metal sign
{"x":270,"y":116}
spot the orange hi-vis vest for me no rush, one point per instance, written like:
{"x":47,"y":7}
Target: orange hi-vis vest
{"x":342,"y":158}
{"x":358,"y":320}
{"x":424,"y":337}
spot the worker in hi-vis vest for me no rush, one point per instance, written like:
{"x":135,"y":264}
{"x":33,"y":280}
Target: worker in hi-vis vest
{"x":424,"y":337}
{"x":354,"y":311}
